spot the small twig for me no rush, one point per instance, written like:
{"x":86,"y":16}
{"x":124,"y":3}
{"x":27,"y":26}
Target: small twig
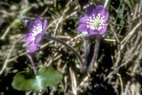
{"x":7,"y":30}
{"x":7,"y":59}
{"x":44,"y":11}
{"x":121,"y":83}
{"x":114,"y":33}
{"x":73,"y":82}
{"x":107,"y":2}
{"x":61,"y":18}
{"x":7,"y":13}
{"x":8,"y":56}
{"x":125,"y":40}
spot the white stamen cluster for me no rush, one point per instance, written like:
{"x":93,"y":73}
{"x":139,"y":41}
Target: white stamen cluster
{"x":96,"y":22}
{"x":37,"y":29}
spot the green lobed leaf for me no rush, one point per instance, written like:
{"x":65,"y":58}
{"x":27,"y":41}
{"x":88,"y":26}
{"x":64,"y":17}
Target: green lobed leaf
{"x":47,"y":76}
{"x":22,"y":81}
{"x":38,"y":84}
{"x":50,"y":76}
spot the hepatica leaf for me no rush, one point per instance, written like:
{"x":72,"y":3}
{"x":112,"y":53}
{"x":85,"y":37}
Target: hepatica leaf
{"x":50,"y":76}
{"x":47,"y":76}
{"x":22,"y":81}
{"x":38,"y":84}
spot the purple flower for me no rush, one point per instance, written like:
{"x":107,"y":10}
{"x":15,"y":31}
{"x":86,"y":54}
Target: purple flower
{"x":95,"y":21}
{"x":37,"y":29}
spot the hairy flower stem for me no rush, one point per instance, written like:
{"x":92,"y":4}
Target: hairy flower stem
{"x":86,"y":50}
{"x":70,"y":48}
{"x":33,"y":65}
{"x":95,"y":55}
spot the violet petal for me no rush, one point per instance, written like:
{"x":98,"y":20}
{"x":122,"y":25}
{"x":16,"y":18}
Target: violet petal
{"x":38,"y":38}
{"x":28,"y":37}
{"x":84,"y":19}
{"x":92,"y":32}
{"x":82,"y":27}
{"x":90,"y":10}
{"x":39,"y":21}
{"x":45,"y":22}
{"x":100,"y":9}
{"x":32,"y":47}
{"x":103,"y":30}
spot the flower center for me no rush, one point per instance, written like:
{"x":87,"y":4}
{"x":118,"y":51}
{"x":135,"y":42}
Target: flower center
{"x":37,"y":29}
{"x":96,"y":22}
